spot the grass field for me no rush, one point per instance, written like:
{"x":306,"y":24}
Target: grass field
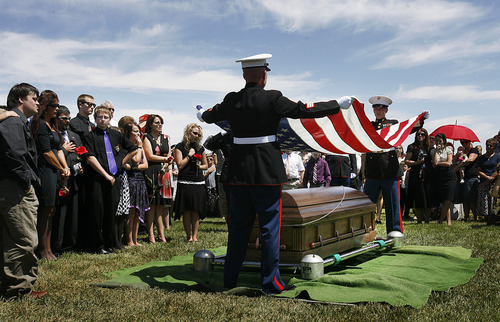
{"x":73,"y":298}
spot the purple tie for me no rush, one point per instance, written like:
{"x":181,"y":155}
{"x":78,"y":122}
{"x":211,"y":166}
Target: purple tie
{"x":109,"y":154}
{"x":315,"y":173}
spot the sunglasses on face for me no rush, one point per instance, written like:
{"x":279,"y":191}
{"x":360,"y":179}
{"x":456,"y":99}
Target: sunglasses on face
{"x":54,"y":105}
{"x":111,"y":109}
{"x":157,"y":123}
{"x":88,"y":103}
{"x":420,"y":134}
{"x":464,"y":142}
{"x":196,"y":133}
{"x":64,"y":118}
{"x":379,"y":106}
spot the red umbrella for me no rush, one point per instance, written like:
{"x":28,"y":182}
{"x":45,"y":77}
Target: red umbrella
{"x":456,"y":132}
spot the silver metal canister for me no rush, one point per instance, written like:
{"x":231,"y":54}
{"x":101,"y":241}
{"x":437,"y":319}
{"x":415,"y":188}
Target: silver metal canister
{"x":399,"y":238}
{"x":203,"y":261}
{"x":312,"y":267}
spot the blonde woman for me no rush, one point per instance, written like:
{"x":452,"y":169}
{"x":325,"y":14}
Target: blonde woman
{"x":190,"y":202}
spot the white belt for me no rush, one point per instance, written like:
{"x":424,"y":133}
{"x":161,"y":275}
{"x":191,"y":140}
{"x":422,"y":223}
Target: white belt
{"x":386,"y":150}
{"x":255,"y":140}
{"x":191,"y":182}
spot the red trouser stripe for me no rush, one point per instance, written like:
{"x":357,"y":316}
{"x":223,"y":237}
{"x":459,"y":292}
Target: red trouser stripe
{"x":399,"y":207}
{"x":279,"y":239}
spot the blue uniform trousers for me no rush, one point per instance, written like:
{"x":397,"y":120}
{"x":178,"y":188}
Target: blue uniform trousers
{"x":390,"y":192}
{"x":244,"y":204}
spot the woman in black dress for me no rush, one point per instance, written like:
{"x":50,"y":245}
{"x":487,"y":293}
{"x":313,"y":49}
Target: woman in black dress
{"x":51,"y":164}
{"x":190,"y":201}
{"x":445,"y":176}
{"x":139,"y":202}
{"x":159,"y":154}
{"x":418,"y":158}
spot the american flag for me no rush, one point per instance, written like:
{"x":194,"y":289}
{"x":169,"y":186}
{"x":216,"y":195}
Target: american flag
{"x":348,"y":131}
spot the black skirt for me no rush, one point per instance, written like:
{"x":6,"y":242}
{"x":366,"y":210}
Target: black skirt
{"x":445,"y":183}
{"x":190,"y":197}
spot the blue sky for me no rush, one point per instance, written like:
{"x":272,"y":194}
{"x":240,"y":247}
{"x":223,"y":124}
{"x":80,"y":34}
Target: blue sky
{"x":166,"y":57}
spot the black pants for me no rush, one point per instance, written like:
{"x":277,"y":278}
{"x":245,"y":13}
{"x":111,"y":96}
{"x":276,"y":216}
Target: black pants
{"x":102,"y":203}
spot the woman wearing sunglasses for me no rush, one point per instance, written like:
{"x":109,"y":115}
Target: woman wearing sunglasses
{"x":159,"y":155}
{"x":52,"y":166}
{"x":190,"y":200}
{"x":418,"y":158}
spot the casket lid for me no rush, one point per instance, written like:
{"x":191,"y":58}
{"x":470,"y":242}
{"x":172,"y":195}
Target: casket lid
{"x":321,"y":195}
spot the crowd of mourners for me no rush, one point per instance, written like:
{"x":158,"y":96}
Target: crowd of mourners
{"x":100,"y":182}
{"x":438,"y":180}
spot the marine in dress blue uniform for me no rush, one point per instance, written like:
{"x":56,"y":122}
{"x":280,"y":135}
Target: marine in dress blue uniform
{"x":256,"y":171}
{"x":382,"y":169}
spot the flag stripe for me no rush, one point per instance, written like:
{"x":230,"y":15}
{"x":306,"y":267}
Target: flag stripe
{"x":348,"y":131}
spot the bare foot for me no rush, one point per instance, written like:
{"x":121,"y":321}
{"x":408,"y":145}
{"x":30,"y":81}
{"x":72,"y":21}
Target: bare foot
{"x":46,"y":255}
{"x":137,"y":244}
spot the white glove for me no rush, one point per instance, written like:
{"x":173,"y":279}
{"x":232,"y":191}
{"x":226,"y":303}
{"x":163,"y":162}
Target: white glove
{"x":353,"y":175}
{"x":345,"y":102}
{"x":198,"y":115}
{"x":427,"y":114}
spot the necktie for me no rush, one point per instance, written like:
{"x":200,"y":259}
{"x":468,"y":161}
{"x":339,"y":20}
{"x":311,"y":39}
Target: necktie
{"x":109,"y":154}
{"x":90,"y":125}
{"x":65,"y":136}
{"x":315,"y":173}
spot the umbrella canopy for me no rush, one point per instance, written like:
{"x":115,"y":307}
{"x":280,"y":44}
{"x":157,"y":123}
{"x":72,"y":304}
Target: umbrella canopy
{"x":456,"y":132}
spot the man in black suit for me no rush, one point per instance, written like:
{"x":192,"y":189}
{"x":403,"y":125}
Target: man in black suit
{"x":81,"y":124}
{"x":65,"y":230}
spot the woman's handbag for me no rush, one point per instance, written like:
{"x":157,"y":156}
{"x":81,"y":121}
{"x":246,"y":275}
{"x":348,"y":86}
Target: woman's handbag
{"x":165,"y":186}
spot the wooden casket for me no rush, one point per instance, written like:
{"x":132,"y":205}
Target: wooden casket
{"x":322,"y":221}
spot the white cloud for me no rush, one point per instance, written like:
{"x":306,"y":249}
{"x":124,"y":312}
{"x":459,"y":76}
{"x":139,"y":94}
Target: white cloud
{"x":475,"y":43}
{"x":110,"y":64}
{"x":402,"y":16}
{"x":459,"y":94}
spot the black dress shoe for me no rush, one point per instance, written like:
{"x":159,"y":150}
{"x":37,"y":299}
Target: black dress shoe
{"x":101,"y":252}
{"x":110,"y":250}
{"x":286,"y":288}
{"x":378,"y":222}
